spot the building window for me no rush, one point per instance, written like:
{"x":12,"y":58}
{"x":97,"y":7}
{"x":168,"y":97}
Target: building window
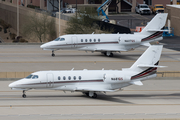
{"x":59,"y":78}
{"x":64,"y":78}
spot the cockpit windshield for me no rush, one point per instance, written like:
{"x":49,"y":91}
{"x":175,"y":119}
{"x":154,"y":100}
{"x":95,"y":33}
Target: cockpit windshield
{"x":32,"y":77}
{"x":29,"y":77}
{"x":59,"y":39}
{"x":35,"y":77}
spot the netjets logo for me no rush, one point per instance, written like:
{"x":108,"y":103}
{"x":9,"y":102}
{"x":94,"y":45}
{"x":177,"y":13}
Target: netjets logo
{"x":118,"y":78}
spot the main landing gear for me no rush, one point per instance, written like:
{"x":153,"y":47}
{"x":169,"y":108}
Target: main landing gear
{"x":24,"y":94}
{"x":53,"y":53}
{"x":108,"y":53}
{"x":90,"y":94}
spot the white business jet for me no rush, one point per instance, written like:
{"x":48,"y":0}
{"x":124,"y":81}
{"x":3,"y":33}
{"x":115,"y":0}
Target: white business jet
{"x":91,"y":82}
{"x":109,"y":43}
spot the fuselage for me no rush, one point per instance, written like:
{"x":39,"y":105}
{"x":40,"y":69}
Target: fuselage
{"x":99,"y":42}
{"x":76,"y":80}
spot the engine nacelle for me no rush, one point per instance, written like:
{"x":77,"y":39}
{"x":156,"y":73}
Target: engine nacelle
{"x":129,"y":40}
{"x":112,"y":78}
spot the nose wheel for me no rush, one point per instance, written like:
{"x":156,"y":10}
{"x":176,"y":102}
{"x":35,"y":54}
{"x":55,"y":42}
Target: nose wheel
{"x":24,"y":95}
{"x":53,"y":53}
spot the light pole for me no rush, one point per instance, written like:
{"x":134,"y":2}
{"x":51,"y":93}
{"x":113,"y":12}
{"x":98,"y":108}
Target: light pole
{"x":59,"y":16}
{"x":17,"y":17}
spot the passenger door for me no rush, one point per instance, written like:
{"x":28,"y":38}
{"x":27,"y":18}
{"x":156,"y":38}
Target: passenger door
{"x":74,"y":42}
{"x":50,"y":80}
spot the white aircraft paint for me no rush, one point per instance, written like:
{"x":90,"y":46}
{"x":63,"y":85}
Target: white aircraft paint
{"x":108,"y":43}
{"x":92,"y":81}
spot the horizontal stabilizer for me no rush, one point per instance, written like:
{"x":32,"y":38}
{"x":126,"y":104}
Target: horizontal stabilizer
{"x":136,"y":83}
{"x":155,"y":30}
{"x":141,"y":65}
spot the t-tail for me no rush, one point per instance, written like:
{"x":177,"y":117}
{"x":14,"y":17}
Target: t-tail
{"x":153,"y":30}
{"x":146,"y":66}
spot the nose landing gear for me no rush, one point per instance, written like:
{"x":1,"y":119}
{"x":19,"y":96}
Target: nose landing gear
{"x":24,"y":95}
{"x":53,"y":53}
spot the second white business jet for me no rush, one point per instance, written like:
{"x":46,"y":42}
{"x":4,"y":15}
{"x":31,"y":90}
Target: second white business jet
{"x":109,"y":43}
{"x":90,"y":82}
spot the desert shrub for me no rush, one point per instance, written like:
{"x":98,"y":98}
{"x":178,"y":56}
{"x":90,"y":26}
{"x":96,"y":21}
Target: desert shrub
{"x":23,"y":40}
{"x":12,"y":36}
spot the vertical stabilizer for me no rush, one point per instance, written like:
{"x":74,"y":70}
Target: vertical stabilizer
{"x":149,"y":59}
{"x":156,"y":24}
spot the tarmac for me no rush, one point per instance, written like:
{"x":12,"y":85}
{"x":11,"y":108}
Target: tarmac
{"x":156,"y":99}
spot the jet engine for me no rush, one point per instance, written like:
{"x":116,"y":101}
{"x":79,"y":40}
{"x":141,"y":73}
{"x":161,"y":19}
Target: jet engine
{"x":112,"y":78}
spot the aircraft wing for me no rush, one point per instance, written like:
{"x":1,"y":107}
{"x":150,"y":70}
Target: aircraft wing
{"x":95,"y":90}
{"x":102,"y":49}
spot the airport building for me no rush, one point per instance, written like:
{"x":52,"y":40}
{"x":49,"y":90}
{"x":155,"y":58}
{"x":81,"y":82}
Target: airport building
{"x":115,"y":6}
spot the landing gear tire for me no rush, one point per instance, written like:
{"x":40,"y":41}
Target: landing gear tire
{"x":24,"y":95}
{"x":94,"y":96}
{"x":109,"y":54}
{"x":53,"y":53}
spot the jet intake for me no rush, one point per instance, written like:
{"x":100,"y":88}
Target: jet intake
{"x":112,"y":78}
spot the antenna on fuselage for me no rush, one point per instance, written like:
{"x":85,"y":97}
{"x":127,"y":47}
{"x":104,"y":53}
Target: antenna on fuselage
{"x":93,"y":33}
{"x":72,"y":69}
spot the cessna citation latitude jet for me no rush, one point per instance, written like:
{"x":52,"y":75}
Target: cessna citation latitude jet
{"x":91,"y":82}
{"x":109,"y":43}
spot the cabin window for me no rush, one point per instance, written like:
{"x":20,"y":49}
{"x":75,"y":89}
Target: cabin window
{"x":79,"y":77}
{"x":90,"y":40}
{"x":64,"y":78}
{"x":57,"y":39}
{"x":59,"y":78}
{"x":74,"y":77}
{"x":99,"y":40}
{"x":94,"y":40}
{"x":62,"y":39}
{"x":35,"y":77}
{"x":81,"y":40}
{"x":29,"y":77}
{"x":69,"y":77}
{"x":86,"y":40}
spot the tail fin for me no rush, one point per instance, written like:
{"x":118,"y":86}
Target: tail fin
{"x":147,"y":63}
{"x":156,"y":24}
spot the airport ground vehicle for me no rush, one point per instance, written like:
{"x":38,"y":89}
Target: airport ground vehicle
{"x":143,"y":9}
{"x":158,"y":8}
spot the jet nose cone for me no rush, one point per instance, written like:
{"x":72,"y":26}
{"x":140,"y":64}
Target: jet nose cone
{"x":43,"y":46}
{"x":12,"y":85}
